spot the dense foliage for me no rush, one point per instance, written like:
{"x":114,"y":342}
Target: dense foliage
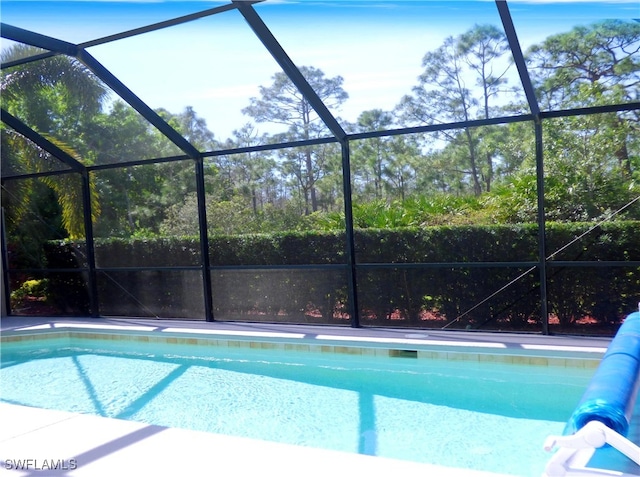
{"x":482,"y":175}
{"x":409,"y":276}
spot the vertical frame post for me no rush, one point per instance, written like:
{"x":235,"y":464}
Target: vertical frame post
{"x":205,"y":262}
{"x":542,"y":245}
{"x":90,"y":245}
{"x":350,"y":247}
{"x":4,"y":262}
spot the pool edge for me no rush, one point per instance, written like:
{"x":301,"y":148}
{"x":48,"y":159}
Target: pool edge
{"x":422,"y":348}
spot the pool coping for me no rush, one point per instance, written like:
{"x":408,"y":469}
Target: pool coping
{"x":531,"y":350}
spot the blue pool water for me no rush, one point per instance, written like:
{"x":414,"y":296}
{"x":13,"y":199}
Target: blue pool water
{"x":475,"y":415}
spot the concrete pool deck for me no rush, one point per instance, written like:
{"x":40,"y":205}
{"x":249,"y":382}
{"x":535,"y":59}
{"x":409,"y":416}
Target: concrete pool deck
{"x":107,"y":447}
{"x":103,"y":446}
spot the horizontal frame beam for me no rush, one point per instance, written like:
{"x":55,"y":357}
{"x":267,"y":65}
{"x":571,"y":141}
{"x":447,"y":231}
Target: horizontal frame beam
{"x":338,"y":266}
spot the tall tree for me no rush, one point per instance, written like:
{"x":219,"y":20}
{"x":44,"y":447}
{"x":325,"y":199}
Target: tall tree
{"x":127,"y":194}
{"x":575,"y":68}
{"x":461,"y":81}
{"x":371,"y":156}
{"x":58,"y":97}
{"x":192,"y":127}
{"x":590,"y":66}
{"x":481,"y":47}
{"x":401,"y":169}
{"x":304,"y":167}
{"x":55,"y":96}
{"x":249,"y":175}
{"x":135,"y":199}
{"x":283,"y":103}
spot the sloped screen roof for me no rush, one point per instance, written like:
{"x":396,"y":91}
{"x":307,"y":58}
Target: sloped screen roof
{"x":213,"y":57}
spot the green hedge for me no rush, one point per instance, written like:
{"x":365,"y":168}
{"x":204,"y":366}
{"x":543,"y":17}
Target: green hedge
{"x":417,"y":292}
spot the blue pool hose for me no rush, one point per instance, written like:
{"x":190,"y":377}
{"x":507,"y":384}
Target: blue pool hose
{"x":613,"y":390}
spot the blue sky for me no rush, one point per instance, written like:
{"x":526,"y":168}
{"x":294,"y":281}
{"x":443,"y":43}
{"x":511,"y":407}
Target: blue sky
{"x":216,"y":64}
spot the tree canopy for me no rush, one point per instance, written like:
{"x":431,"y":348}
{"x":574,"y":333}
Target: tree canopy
{"x":463,"y":175}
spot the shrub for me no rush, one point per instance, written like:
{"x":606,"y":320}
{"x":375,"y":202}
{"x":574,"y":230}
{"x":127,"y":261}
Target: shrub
{"x":414,"y":276}
{"x":30,"y":289}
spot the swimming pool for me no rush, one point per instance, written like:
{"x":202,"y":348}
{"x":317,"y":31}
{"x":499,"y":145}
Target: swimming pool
{"x":486,"y":409}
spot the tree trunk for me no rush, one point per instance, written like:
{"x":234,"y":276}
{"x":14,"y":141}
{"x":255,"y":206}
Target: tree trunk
{"x":254,"y":200}
{"x":311,"y":181}
{"x":489,"y":172}
{"x":477,"y":187}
